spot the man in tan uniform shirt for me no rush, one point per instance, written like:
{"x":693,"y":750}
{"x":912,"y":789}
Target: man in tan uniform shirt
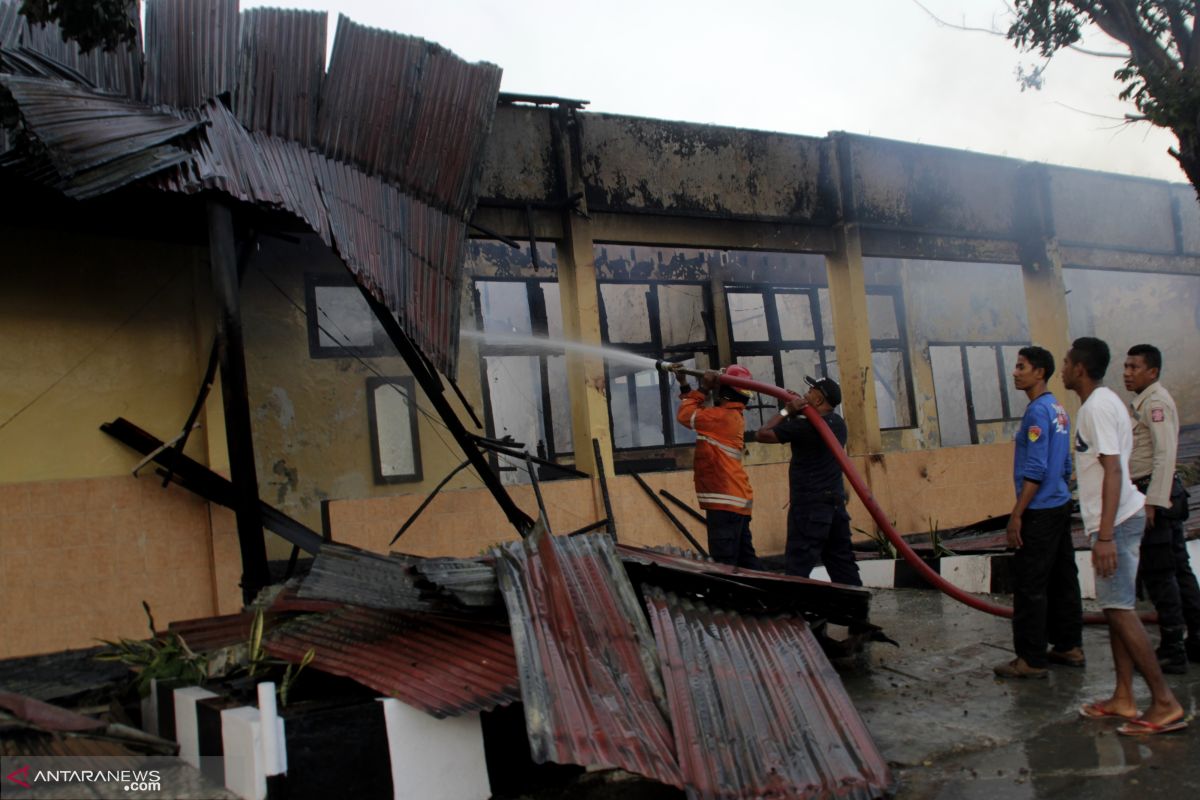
{"x":1164,"y":569}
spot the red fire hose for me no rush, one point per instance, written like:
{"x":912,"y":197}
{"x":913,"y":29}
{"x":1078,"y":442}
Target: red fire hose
{"x":872,"y":505}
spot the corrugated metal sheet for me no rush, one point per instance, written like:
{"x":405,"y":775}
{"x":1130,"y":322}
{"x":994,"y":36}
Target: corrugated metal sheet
{"x":118,"y":71}
{"x":589,"y":670}
{"x":212,"y":633}
{"x":191,"y":51}
{"x":347,"y":575}
{"x":11,"y":23}
{"x":429,"y":137}
{"x":46,"y":716}
{"x":844,"y":605}
{"x":82,"y":748}
{"x":281,"y":66}
{"x":96,"y":142}
{"x":757,"y":709}
{"x":380,"y":157}
{"x":472,"y":582}
{"x":443,"y":667}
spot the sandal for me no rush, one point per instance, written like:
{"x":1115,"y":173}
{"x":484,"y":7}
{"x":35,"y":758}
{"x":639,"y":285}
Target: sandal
{"x":1143,"y":727}
{"x":1098,"y":711}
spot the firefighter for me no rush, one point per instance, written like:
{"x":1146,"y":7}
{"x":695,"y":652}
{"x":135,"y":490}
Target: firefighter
{"x":722,"y":486}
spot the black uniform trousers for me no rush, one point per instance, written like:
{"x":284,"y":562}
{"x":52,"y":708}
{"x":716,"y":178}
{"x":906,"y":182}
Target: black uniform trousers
{"x":729,"y":540}
{"x":1165,"y":570}
{"x":819,"y":533}
{"x":1047,"y":608}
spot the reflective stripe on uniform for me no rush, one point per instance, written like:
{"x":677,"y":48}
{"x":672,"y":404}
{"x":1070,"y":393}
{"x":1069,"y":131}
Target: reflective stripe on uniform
{"x":724,"y":499}
{"x":732,"y":452}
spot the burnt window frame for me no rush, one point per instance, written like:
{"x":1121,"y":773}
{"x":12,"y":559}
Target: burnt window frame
{"x":896,"y":345}
{"x":380,"y":346}
{"x":973,"y":422}
{"x":654,"y":349}
{"x":409,"y":387}
{"x":775,"y":344}
{"x":539,"y":326}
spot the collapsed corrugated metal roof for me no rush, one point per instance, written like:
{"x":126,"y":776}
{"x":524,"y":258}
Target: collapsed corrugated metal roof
{"x":756,"y":708}
{"x":380,"y":155}
{"x":46,"y":716}
{"x":211,"y":633}
{"x":345,"y":574}
{"x":843,"y":605}
{"x":589,"y":671}
{"x":442,"y":666}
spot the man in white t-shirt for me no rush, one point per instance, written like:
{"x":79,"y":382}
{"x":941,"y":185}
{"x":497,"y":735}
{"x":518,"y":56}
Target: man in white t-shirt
{"x":1114,"y":519}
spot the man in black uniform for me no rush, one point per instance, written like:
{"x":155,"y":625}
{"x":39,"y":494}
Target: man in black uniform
{"x":818,"y":525}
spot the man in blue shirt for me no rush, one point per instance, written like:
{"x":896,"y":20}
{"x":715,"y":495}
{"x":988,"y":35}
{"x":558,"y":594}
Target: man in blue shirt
{"x":1046,"y":603}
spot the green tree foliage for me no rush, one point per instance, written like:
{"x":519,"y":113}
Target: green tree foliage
{"x":1160,"y":45}
{"x":90,"y":23}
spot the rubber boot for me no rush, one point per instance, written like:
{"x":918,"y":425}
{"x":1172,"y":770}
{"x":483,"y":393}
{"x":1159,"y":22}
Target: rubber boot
{"x":1172,"y":655}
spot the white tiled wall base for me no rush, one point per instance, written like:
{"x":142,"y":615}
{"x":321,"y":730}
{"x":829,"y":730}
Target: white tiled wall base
{"x":439,"y":759}
{"x":974,"y":573}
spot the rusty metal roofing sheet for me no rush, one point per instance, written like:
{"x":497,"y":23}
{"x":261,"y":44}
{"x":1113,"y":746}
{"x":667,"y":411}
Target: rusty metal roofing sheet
{"x":191,"y":50}
{"x":429,"y":135}
{"x":46,"y":716}
{"x":353,"y":126}
{"x":757,"y":709}
{"x":443,"y":667}
{"x":589,"y":673}
{"x":96,"y":142}
{"x":844,"y":605}
{"x":348,"y":575}
{"x":81,"y":747}
{"x":281,"y":66}
{"x":380,"y":157}
{"x":212,"y":633}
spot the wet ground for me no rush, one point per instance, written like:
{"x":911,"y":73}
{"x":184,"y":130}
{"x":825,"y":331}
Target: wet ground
{"x":953,"y":730}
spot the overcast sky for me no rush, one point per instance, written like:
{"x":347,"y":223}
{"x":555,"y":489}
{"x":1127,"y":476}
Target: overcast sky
{"x":878,"y":67}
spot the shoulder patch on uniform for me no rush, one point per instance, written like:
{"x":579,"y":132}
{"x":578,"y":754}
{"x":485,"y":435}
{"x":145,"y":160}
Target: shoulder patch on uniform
{"x":1157,"y":415}
{"x":1035,"y":433}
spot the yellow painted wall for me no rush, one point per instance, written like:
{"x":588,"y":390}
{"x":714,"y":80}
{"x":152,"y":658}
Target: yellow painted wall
{"x":310,"y":415}
{"x":92,"y":328}
{"x":1132,"y":308}
{"x":949,"y":487}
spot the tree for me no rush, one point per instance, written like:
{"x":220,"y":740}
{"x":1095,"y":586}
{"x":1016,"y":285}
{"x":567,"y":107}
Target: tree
{"x":1160,"y":45}
{"x":90,"y":23}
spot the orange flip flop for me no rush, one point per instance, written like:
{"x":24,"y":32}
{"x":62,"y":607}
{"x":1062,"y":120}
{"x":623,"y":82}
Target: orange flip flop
{"x":1142,"y":727}
{"x":1098,"y":711}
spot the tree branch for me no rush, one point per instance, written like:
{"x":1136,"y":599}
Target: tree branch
{"x":1180,"y":34}
{"x":1120,"y":21}
{"x":993,"y":32}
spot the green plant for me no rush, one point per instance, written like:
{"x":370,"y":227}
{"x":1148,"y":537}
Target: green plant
{"x":157,"y":658}
{"x":935,"y":541}
{"x":289,"y":677}
{"x":886,"y":549}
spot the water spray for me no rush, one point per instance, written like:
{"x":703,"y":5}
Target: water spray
{"x":864,"y":494}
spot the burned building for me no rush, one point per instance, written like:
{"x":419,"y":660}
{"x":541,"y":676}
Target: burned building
{"x":910,"y":273}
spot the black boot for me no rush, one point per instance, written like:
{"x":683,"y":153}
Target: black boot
{"x":1171,"y":652}
{"x":1193,"y":647}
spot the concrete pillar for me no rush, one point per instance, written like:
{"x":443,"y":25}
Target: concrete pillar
{"x":1046,"y":304}
{"x":581,"y":306}
{"x":852,"y":335}
{"x":581,"y":323}
{"x":1042,"y":275}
